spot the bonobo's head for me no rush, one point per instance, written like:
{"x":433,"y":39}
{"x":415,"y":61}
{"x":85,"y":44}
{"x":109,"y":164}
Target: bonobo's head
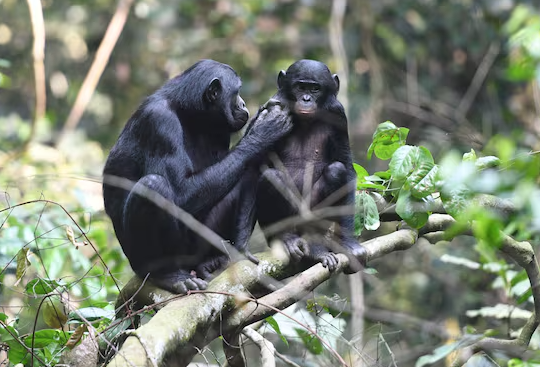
{"x":214,"y":88}
{"x":307,"y":85}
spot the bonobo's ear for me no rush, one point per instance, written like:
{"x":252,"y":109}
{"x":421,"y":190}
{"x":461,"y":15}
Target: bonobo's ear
{"x":336,"y":80}
{"x":281,"y":79}
{"x":213,"y":90}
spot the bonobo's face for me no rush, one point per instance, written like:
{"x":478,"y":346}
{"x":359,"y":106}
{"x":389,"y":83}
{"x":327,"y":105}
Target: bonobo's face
{"x":307,"y":84}
{"x":223,"y":96}
{"x":240,"y":112}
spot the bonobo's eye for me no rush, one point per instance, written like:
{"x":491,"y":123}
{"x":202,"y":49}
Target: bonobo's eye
{"x":315,"y":88}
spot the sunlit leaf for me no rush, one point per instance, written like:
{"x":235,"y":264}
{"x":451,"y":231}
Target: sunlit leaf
{"x":274,"y":325}
{"x":411,"y":210}
{"x":360,"y":172}
{"x":387,"y":138}
{"x":91,"y":314}
{"x":53,"y":313}
{"x":366,"y":209}
{"x":456,"y":199}
{"x":42,"y":338}
{"x":41,"y":286}
{"x":22,"y":262}
{"x":311,"y":342}
{"x":487,"y":162}
{"x":470,"y":156}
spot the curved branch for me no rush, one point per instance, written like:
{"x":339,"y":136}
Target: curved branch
{"x":183,"y":325}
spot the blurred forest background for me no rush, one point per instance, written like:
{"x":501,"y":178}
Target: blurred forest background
{"x":456,"y":72}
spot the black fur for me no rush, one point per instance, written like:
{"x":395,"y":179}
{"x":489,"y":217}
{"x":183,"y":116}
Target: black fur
{"x":177,"y":145}
{"x":312,"y":165}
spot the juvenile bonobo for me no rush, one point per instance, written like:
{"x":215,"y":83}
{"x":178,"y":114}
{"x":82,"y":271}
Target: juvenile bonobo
{"x":314,"y":161}
{"x":177,"y":145}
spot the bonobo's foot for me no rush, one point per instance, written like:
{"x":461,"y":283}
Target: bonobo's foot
{"x":205,"y":269}
{"x":248,"y":255}
{"x":320,"y":253}
{"x":180,"y":282}
{"x":296,"y":246}
{"x":357,"y":255}
{"x":328,"y":260}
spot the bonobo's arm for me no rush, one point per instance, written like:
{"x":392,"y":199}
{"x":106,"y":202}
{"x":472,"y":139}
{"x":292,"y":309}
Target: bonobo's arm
{"x":342,"y":153}
{"x":200,"y":190}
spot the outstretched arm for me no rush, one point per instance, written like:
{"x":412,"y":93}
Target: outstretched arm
{"x":201,"y":190}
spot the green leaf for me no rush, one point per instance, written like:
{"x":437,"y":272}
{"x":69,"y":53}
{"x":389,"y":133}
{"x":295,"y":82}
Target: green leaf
{"x":385,"y":175}
{"x":409,"y":158}
{"x":487,"y":162}
{"x":386,"y":139}
{"x":524,"y":297}
{"x":411,"y":210}
{"x":456,"y":199}
{"x":366,"y":209}
{"x":5,"y":81}
{"x":360,"y":172}
{"x":43,"y":338}
{"x":41,"y":286}
{"x":274,"y":325}
{"x":366,"y":186}
{"x":422,"y":181}
{"x":519,"y":277}
{"x":470,"y":156}
{"x":3,"y":317}
{"x":312,"y":343}
{"x":91,"y":314}
{"x":22,"y":262}
{"x":17,"y":353}
{"x":53,"y":312}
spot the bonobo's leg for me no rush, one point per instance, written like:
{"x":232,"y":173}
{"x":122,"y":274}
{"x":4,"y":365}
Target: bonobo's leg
{"x":336,"y":187}
{"x":154,"y":239}
{"x":233,"y":218}
{"x":334,"y":178}
{"x":277,"y":201}
{"x":245,"y":217}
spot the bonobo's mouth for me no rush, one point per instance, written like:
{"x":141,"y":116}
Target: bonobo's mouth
{"x":305,"y":111}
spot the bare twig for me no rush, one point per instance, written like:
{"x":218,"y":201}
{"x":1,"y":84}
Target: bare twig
{"x":101,"y":59}
{"x":335,"y":29}
{"x":267,"y":348}
{"x":38,"y":54}
{"x":477,"y":81}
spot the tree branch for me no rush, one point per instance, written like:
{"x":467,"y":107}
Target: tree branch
{"x":187,"y":324}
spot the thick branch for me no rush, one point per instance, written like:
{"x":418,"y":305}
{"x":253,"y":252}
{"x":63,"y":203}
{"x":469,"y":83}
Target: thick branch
{"x":174,"y":334}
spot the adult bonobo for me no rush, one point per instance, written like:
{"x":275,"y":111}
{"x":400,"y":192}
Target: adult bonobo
{"x":177,"y":145}
{"x":312,"y":169}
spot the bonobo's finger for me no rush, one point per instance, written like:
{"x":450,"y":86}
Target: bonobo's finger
{"x":250,"y":257}
{"x":193,"y":284}
{"x":271,"y":103}
{"x":303,"y":246}
{"x":201,"y":284}
{"x":203,"y":273}
{"x":179,"y":288}
{"x":331,"y":262}
{"x":262,"y":114}
{"x":296,"y":249}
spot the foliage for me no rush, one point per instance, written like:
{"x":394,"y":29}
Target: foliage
{"x":422,"y":62}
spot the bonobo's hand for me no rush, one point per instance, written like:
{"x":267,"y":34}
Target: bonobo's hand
{"x":272,"y":123}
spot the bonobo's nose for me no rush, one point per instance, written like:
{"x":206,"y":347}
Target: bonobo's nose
{"x":306,"y":98}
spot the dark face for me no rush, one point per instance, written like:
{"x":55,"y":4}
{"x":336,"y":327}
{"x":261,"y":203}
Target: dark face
{"x":240,"y":112}
{"x":223,"y":94}
{"x":306,"y":85}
